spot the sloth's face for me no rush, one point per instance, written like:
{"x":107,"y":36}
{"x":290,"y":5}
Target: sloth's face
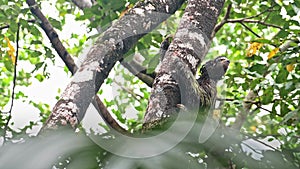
{"x":215,"y":68}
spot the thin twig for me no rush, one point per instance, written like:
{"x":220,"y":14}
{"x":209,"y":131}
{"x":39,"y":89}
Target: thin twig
{"x":257,"y":15}
{"x":249,"y":29}
{"x":230,"y":100}
{"x":52,"y":35}
{"x":264,"y":109}
{"x":7,"y":26}
{"x":130,"y":91}
{"x":243,"y":20}
{"x":13,"y":88}
{"x":224,"y":21}
{"x":146,"y":78}
{"x":4,"y":27}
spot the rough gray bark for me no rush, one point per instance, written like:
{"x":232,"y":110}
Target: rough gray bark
{"x":68,"y":60}
{"x":175,"y":82}
{"x":109,"y":48}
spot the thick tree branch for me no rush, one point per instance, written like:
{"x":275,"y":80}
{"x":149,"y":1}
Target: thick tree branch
{"x":102,"y":110}
{"x":175,"y":82}
{"x":109,"y":48}
{"x":133,"y":67}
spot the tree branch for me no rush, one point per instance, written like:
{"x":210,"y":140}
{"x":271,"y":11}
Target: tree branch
{"x":243,"y":20}
{"x":249,"y":29}
{"x":13,"y":87}
{"x":133,"y":67}
{"x":137,"y":70}
{"x":83,"y":3}
{"x":108,"y":49}
{"x":68,"y":60}
{"x":175,"y":81}
{"x":267,"y":10}
{"x":7,"y":26}
{"x":52,"y":35}
{"x":223,"y":22}
{"x":4,"y":27}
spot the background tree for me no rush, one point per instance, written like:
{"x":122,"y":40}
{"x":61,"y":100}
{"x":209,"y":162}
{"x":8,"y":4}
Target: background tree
{"x":259,"y":121}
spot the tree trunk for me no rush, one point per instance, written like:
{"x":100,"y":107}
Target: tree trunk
{"x":175,"y":82}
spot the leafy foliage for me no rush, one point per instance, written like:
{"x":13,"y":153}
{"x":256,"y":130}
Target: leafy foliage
{"x":261,"y":39}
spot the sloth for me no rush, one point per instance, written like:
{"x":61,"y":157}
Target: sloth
{"x":210,"y":73}
{"x":214,"y":69}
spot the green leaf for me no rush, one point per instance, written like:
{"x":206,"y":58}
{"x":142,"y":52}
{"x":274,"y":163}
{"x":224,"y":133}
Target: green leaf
{"x":24,"y":23}
{"x":152,"y":65}
{"x":48,"y":53}
{"x":284,"y":109}
{"x":39,"y":77}
{"x":266,"y":41}
{"x":282,"y":34}
{"x":35,"y":42}
{"x":35,"y":31}
{"x":55,"y":23}
{"x":20,"y":94}
{"x":109,"y":81}
{"x":13,"y":26}
{"x":268,"y":96}
{"x":139,"y":108}
{"x":38,"y":66}
{"x":141,"y":46}
{"x":260,"y":69}
{"x":35,"y":54}
{"x":282,"y":76}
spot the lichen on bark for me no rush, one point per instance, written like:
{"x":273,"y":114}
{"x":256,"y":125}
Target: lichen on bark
{"x":175,"y":82}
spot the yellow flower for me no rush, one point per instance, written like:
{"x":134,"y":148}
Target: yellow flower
{"x":11,"y":51}
{"x":272,"y":53}
{"x":254,"y":46}
{"x":290,"y":67}
{"x":253,"y":128}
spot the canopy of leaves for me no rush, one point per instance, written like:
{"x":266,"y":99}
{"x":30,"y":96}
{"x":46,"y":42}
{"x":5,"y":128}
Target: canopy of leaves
{"x":260,"y":38}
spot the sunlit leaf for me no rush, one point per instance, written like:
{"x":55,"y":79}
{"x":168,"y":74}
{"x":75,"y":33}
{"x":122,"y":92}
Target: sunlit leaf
{"x":39,"y":77}
{"x":290,"y":67}
{"x":272,"y":53}
{"x":11,"y":51}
